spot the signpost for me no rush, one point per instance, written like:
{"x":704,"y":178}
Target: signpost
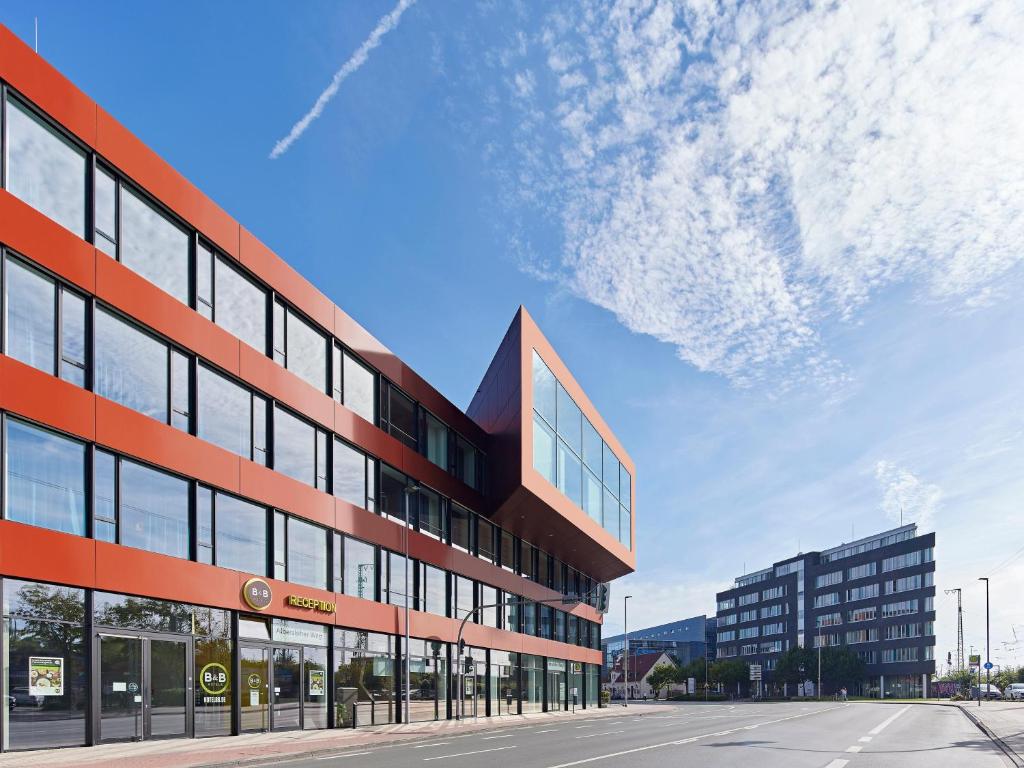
{"x":755,"y":675}
{"x":975,"y":664}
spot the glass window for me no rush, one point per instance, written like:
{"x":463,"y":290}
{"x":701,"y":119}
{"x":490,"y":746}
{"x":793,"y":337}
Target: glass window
{"x":45,"y":479}
{"x":360,"y":388}
{"x":30,"y":305}
{"x":321,"y":460}
{"x":153,"y":245}
{"x":105,"y":212}
{"x":401,"y":415}
{"x":489,"y":607}
{"x":224,"y":413}
{"x":431,"y":516}
{"x":624,"y":485}
{"x":570,"y":477}
{"x":545,"y":622}
{"x":544,"y":386}
{"x":204,"y":525}
{"x":591,"y":447}
{"x":508,"y":551}
{"x":259,"y":430}
{"x":611,"y":514}
{"x":279,"y":346}
{"x":543,"y":449}
{"x":464,"y":594}
{"x":72,"y":337}
{"x":466,"y":461}
{"x":510,"y":621}
{"x":280,"y":546}
{"x":153,"y":510}
{"x":396,"y":578}
{"x":44,"y":169}
{"x":392,"y":493}
{"x":625,"y":528}
{"x":529,"y":611}
{"x":485,"y":540}
{"x":435,"y":441}
{"x":307,"y":553}
{"x":241,"y":535}
{"x":181,"y":415}
{"x":104,"y":525}
{"x":611,"y":471}
{"x":433,"y":590}
{"x":592,"y":495}
{"x":460,"y":521}
{"x":131,"y":366}
{"x":360,"y":578}
{"x":294,"y":447}
{"x":305,"y":351}
{"x":204,"y":281}
{"x":569,"y":421}
{"x":349,"y":474}
{"x":241,"y":306}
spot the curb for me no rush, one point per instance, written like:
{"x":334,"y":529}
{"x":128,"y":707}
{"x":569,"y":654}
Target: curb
{"x":1012,"y":756}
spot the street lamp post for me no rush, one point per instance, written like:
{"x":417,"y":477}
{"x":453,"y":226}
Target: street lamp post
{"x":625,"y":655}
{"x":988,"y":648}
{"x":409,"y":490}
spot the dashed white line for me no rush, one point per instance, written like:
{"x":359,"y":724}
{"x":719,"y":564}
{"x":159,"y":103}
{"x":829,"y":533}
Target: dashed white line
{"x":865,"y":739}
{"x":584,"y":726}
{"x":463,"y":754}
{"x":433,"y":744}
{"x":855,"y":748}
{"x":547,"y":730}
{"x":885,"y":723}
{"x":504,"y":736}
{"x":837,"y":763}
{"x":602,"y":733}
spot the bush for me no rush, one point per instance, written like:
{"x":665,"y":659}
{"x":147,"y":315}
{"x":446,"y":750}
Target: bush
{"x":697,"y":697}
{"x":606,"y":697}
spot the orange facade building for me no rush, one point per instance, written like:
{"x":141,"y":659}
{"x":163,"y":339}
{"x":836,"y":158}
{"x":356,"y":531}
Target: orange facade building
{"x":222,"y":496}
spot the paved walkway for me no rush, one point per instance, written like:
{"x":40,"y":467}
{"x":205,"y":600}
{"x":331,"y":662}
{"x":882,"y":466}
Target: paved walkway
{"x":258,"y":747}
{"x":1003,"y":720}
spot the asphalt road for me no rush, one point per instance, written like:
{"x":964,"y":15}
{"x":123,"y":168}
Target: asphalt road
{"x":789,"y":735}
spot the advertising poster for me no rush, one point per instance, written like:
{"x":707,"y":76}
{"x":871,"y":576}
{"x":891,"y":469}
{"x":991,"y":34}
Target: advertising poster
{"x":317,"y":682}
{"x":45,"y":676}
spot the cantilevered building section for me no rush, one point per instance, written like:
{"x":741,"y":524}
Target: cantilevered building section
{"x":220,"y":492}
{"x":875,"y":596}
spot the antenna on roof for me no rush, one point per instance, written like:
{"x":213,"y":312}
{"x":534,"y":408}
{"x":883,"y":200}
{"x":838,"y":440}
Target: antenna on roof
{"x":36,"y":19}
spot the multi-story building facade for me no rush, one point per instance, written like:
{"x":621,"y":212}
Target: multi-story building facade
{"x":684,"y":640}
{"x":222,"y":497}
{"x":875,"y":596}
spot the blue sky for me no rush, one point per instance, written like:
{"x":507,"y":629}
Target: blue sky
{"x":779,"y":246}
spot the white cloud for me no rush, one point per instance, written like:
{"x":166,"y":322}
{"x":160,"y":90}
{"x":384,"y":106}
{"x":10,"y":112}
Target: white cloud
{"x":387,"y":23}
{"x":730,"y":177}
{"x":905,"y":497}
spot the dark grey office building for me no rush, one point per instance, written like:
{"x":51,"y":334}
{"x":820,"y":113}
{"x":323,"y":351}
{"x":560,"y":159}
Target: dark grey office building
{"x":875,"y":595}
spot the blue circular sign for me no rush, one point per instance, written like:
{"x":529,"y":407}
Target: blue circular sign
{"x":988,"y":665}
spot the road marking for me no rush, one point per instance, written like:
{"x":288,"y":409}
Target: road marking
{"x":463,"y":754}
{"x":506,"y":736}
{"x":695,"y":738}
{"x":347,"y":754}
{"x":865,"y":739}
{"x":882,"y":726}
{"x":434,"y":744}
{"x":548,"y":730}
{"x":855,"y":748}
{"x":837,"y":763}
{"x":749,"y":727}
{"x":584,"y":726}
{"x":603,"y":733}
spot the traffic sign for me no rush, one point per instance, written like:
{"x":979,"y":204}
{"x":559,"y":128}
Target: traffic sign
{"x":755,"y":671}
{"x":975,"y":660}
{"x":988,"y":665}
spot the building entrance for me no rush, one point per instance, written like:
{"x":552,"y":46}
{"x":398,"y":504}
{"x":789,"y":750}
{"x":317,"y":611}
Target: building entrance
{"x":144,"y":684}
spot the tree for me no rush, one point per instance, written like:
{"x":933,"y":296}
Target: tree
{"x":840,"y":668}
{"x":662,"y":675}
{"x":795,"y":666}
{"x":728,"y":672}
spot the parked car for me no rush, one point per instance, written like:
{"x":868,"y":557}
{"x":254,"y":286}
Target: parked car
{"x":988,"y":691}
{"x":1014,"y":691}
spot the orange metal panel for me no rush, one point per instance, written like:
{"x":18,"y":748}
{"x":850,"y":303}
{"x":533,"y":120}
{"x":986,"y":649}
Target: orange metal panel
{"x":147,"y":169}
{"x":135,"y":296}
{"x":44,"y":85}
{"x":367,"y":526}
{"x":357,"y":430}
{"x":27,"y":552}
{"x":137,"y":572}
{"x":289,"y":283}
{"x":356,"y":613}
{"x":44,"y":398}
{"x":277,"y":490}
{"x":132,"y":433}
{"x":263,"y":373}
{"x":46,"y":242}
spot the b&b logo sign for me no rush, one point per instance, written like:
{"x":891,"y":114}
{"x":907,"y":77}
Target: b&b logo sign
{"x":257,"y":594}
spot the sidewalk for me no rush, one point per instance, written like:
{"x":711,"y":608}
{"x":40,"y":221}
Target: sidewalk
{"x":1003,"y":721}
{"x":259,"y":747}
